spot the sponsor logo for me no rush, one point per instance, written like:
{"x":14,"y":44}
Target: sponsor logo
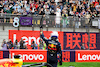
{"x":27,"y":40}
{"x":30,"y":56}
{"x":29,"y":36}
{"x":88,"y":57}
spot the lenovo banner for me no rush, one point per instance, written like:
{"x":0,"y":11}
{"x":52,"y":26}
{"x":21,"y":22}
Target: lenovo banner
{"x":30,"y":55}
{"x":68,"y":40}
{"x":87,"y":56}
{"x":29,"y":36}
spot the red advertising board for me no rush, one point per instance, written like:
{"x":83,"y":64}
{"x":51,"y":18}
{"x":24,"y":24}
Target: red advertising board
{"x":1,"y":54}
{"x":30,"y":55}
{"x":30,"y":36}
{"x":87,"y":55}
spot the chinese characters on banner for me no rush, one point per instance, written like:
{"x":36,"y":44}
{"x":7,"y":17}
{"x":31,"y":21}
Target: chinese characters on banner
{"x":68,"y":56}
{"x":75,"y":40}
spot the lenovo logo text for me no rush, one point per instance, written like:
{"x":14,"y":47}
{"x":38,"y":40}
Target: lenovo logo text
{"x":88,"y":57}
{"x":30,"y":56}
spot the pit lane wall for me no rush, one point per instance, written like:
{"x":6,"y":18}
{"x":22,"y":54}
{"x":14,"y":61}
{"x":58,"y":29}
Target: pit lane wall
{"x":67,"y":55}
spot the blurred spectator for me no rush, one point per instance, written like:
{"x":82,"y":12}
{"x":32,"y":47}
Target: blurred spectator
{"x":92,"y":8}
{"x":1,"y":3}
{"x":46,"y":6}
{"x":2,"y":11}
{"x":53,"y":1}
{"x":83,"y":47}
{"x":22,"y":43}
{"x":25,"y":46}
{"x":37,"y":5}
{"x":4,"y":45}
{"x":41,"y":12}
{"x":52,"y":12}
{"x":16,"y":45}
{"x":96,"y":3}
{"x":15,"y":12}
{"x":10,"y":44}
{"x":24,"y":11}
{"x":42,"y":45}
{"x":55,"y":6}
{"x":57,"y":1}
{"x":27,"y":7}
{"x":58,"y":16}
{"x":47,"y":12}
{"x":61,"y":5}
{"x":35,"y":12}
{"x":7,"y":9}
{"x":79,"y":9}
{"x":87,"y":18}
{"x":41,"y":4}
{"x":83,"y":13}
{"x":66,"y":2}
{"x":21,"y":11}
{"x":64,"y":17}
{"x":94,"y":14}
{"x":16,"y":7}
{"x":51,"y":6}
{"x":87,"y":4}
{"x":34,"y":45}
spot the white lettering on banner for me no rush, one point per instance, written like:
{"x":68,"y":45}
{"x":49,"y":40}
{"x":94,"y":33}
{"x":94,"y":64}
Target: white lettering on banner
{"x":38,"y":40}
{"x":14,"y":38}
{"x":27,"y":39}
{"x":41,"y":57}
{"x":30,"y":56}
{"x":25,"y":56}
{"x":89,"y":57}
{"x":31,"y":38}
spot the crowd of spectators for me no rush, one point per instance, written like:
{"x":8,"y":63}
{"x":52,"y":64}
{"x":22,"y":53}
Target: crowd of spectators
{"x":21,"y":45}
{"x":62,"y":9}
{"x":50,"y":7}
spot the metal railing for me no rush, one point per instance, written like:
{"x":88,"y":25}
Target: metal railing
{"x":51,"y":21}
